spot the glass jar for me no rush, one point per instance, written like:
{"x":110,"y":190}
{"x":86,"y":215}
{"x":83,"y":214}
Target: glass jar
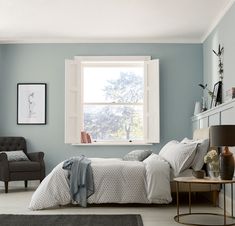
{"x":213,"y":169}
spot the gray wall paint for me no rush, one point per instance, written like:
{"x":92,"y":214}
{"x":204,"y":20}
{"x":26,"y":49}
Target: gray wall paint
{"x":223,"y":34}
{"x":1,"y":93}
{"x":1,"y":71}
{"x":180,"y":72}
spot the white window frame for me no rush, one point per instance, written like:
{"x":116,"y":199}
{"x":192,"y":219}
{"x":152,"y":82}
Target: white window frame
{"x":74,"y":91}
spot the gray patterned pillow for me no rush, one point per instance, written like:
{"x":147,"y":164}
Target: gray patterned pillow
{"x":137,"y":155}
{"x":18,"y":155}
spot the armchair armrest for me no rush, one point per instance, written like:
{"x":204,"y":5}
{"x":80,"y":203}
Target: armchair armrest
{"x":36,"y":156}
{"x":4,"y":167}
{"x":3,"y":157}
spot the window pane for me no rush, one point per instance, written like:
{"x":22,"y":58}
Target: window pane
{"x":114,"y":123}
{"x":113,"y":84}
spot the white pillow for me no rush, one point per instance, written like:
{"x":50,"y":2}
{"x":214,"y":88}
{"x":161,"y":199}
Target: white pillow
{"x":179,"y":155}
{"x":202,"y":148}
{"x":18,"y":155}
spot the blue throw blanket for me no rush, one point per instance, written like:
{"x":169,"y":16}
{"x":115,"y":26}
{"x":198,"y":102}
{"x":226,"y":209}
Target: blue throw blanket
{"x":80,"y":178}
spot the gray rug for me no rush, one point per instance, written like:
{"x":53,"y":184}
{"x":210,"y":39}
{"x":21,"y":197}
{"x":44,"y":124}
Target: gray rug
{"x":70,"y":220}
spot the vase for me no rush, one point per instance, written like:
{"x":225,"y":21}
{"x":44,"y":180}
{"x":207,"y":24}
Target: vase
{"x":226,"y":164}
{"x":197,"y":108}
{"x":213,"y":169}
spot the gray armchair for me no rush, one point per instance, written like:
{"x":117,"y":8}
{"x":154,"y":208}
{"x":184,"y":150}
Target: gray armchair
{"x":34,"y":169}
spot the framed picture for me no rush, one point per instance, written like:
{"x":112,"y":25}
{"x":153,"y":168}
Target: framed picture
{"x":31,"y":103}
{"x":233,"y":92}
{"x":217,"y":94}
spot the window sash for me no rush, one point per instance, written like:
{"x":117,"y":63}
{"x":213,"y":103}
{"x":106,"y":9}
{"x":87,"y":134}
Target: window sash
{"x":114,"y":126}
{"x":87,"y":77}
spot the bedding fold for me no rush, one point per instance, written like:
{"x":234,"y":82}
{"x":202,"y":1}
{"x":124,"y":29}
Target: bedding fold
{"x":158,"y":176}
{"x":80,"y":176}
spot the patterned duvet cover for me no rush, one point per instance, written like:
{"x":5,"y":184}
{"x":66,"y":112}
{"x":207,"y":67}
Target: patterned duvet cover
{"x":115,"y":180}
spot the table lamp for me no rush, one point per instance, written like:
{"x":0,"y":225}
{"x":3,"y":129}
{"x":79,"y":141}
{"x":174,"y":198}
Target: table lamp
{"x":224,"y":136}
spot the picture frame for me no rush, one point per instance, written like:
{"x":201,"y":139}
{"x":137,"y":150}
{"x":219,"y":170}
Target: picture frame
{"x":233,"y":92}
{"x":31,"y":103}
{"x":217,"y":94}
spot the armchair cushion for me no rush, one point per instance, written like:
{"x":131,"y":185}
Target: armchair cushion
{"x":24,"y":166}
{"x":18,"y":155}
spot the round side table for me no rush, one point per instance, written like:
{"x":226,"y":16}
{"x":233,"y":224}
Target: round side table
{"x":227,"y":220}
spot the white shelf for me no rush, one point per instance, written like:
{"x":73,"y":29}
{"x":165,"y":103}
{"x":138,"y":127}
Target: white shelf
{"x":219,"y":115}
{"x":214,"y":110}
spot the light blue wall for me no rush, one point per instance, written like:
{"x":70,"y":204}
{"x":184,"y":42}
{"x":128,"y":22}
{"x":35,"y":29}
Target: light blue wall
{"x":223,"y":34}
{"x":1,"y":94}
{"x":180,"y":72}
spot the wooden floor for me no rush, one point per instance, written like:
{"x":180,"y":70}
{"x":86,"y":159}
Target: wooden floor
{"x":17,"y":201}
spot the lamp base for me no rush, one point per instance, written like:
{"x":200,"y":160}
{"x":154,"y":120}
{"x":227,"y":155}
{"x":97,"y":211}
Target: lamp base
{"x":226,"y":165}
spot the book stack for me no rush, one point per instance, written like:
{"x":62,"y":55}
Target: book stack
{"x":85,"y":137}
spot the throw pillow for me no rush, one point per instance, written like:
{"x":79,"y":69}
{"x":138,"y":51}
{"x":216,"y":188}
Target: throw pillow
{"x":202,"y":149}
{"x":18,"y":155}
{"x":137,"y":155}
{"x":179,"y":155}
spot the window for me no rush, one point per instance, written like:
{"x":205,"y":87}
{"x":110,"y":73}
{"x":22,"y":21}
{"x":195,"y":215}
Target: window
{"x":114,"y":99}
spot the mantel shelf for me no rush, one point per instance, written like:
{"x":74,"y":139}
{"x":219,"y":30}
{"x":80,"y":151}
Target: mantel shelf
{"x":214,"y":110}
{"x":222,"y":114}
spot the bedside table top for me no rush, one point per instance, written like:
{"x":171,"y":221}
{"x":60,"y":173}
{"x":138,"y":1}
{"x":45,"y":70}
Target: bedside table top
{"x":205,"y":180}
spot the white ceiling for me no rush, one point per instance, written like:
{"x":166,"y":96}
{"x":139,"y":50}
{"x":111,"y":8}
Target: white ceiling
{"x":118,"y":21}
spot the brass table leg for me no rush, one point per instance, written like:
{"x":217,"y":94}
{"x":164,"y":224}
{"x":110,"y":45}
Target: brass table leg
{"x":189,"y":198}
{"x":224,"y":206}
{"x":232,"y":199}
{"x":177,"y":199}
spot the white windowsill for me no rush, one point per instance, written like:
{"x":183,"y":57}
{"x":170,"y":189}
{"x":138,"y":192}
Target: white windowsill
{"x":114,"y":144}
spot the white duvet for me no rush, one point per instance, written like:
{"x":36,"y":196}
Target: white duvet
{"x":115,"y":180}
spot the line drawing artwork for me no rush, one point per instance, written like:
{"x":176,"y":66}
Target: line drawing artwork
{"x":31,"y":105}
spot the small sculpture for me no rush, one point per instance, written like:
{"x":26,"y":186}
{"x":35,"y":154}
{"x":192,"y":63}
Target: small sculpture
{"x":219,"y":84}
{"x":220,"y":65}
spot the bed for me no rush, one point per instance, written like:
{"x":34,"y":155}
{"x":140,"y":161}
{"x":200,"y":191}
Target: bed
{"x":198,"y":134}
{"x":117,"y":180}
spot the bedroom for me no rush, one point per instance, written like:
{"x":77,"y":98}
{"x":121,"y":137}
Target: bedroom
{"x":184,"y":64}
